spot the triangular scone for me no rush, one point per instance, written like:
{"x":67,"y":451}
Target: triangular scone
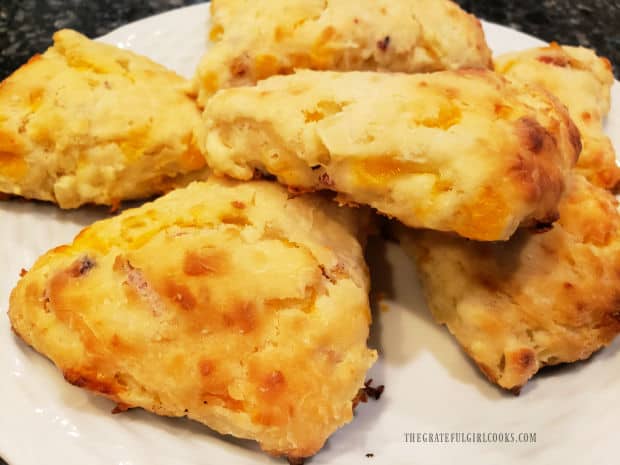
{"x":89,"y":123}
{"x":236,"y":305}
{"x":465,"y":151}
{"x":539,"y":299}
{"x":255,"y":40}
{"x":582,"y":81}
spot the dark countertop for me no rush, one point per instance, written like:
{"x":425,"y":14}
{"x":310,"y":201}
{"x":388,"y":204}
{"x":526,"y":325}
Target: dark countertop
{"x":590,"y":23}
{"x":26,"y":26}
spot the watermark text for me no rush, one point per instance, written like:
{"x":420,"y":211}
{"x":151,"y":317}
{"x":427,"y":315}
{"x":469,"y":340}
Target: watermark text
{"x":461,"y":437}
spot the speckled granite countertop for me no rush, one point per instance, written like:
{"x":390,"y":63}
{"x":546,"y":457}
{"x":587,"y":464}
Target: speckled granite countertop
{"x":26,"y":26}
{"x":590,"y":23}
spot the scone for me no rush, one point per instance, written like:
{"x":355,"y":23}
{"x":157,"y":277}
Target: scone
{"x":582,"y":81}
{"x":236,"y":305}
{"x":464,"y":151}
{"x":539,"y":299}
{"x":255,"y":40}
{"x":89,"y":123}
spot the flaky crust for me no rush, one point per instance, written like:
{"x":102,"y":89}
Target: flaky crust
{"x":89,"y":123}
{"x":463,"y":151}
{"x":255,"y":40}
{"x":582,"y":81}
{"x":236,"y":305}
{"x":540,"y":299}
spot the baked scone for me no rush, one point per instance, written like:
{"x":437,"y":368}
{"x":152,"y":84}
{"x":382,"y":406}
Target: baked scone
{"x":539,"y":299}
{"x":582,"y":81}
{"x":255,"y":40}
{"x":236,"y":305}
{"x":89,"y":123}
{"x":464,"y":151}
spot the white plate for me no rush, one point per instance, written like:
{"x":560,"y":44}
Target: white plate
{"x":430,"y":385}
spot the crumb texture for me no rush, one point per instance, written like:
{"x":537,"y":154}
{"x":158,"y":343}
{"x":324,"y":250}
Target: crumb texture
{"x":87,"y":123}
{"x":233,"y":304}
{"x":582,"y":81}
{"x":465,"y":151}
{"x":540,"y":299}
{"x":255,"y":40}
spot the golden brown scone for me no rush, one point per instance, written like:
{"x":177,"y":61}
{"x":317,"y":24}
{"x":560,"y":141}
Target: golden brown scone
{"x":255,"y":40}
{"x":89,"y":123}
{"x":582,"y":81}
{"x":539,"y":299}
{"x":463,"y":151}
{"x":233,"y":304}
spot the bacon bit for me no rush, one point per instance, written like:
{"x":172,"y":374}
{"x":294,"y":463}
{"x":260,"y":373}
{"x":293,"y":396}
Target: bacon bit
{"x":326,"y":180}
{"x":137,"y":281}
{"x":81,"y":266}
{"x":562,"y":62}
{"x":120,"y":408}
{"x":373,"y":392}
{"x":115,"y":206}
{"x":238,"y":204}
{"x":23,"y":272}
{"x":384,"y":43}
{"x":368,"y":391}
{"x":359,"y":397}
{"x":239,"y":66}
{"x":86,"y":265}
{"x":526,"y":358}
